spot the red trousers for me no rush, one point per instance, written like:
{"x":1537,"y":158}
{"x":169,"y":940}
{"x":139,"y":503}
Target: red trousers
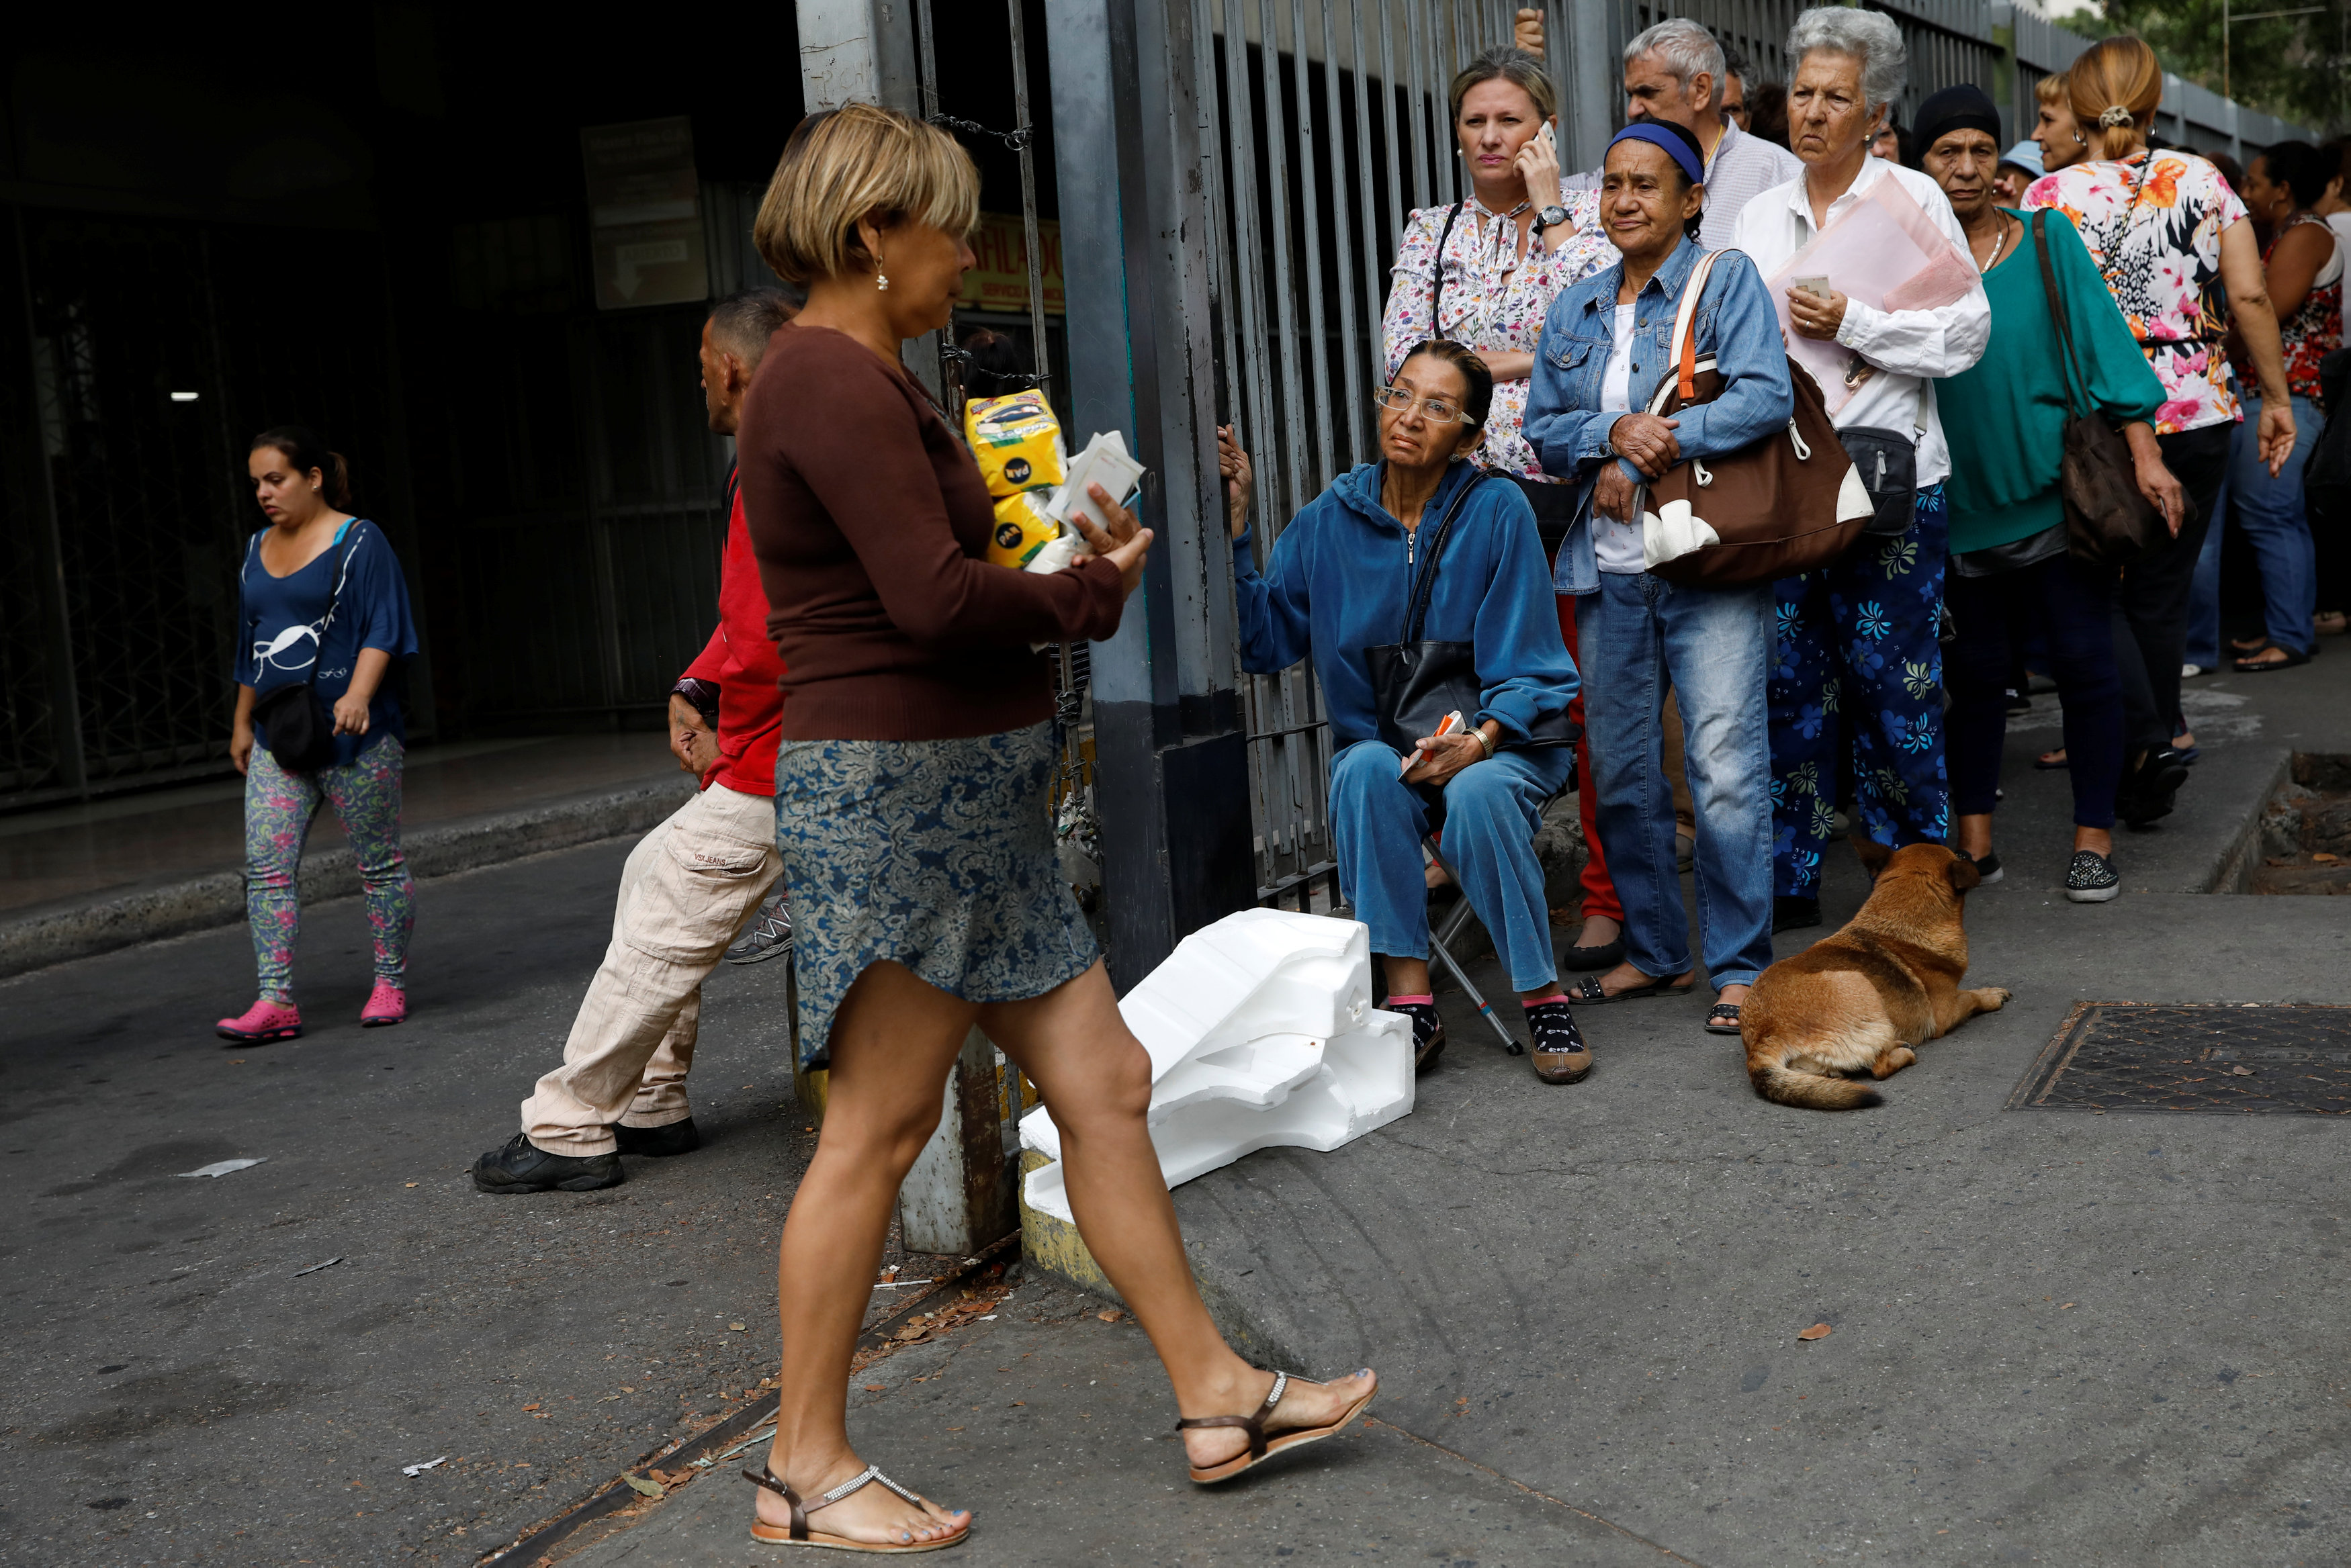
{"x":1599,"y":890}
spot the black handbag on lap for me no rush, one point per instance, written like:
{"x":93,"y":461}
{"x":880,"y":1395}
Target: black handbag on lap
{"x":1415,"y":683}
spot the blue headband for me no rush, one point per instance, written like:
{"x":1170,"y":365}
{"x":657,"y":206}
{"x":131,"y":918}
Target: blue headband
{"x":1658,"y":136}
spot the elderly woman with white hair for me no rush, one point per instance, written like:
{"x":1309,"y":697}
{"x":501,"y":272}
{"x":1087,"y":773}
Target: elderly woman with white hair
{"x":1857,"y":637}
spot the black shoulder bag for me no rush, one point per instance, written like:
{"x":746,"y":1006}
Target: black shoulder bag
{"x":1415,"y":683}
{"x":300,"y":728}
{"x":1437,"y":272}
{"x":2107,"y":521}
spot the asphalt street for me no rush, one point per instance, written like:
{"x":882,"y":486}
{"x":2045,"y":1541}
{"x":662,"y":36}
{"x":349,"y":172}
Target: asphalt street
{"x":2060,"y":1337}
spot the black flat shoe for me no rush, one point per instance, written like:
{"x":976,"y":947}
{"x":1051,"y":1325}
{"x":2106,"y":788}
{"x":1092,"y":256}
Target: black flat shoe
{"x":521,"y":1166}
{"x":1988,"y":870}
{"x":677,"y":1138}
{"x":1794,"y":914}
{"x":2148,"y":790}
{"x":1722,"y":1018}
{"x":1587,"y":992}
{"x":1583,"y":961}
{"x":1427,"y":1031}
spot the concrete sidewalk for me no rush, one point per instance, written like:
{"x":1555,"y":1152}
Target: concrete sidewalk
{"x":2063,"y":1338}
{"x":82,"y":879}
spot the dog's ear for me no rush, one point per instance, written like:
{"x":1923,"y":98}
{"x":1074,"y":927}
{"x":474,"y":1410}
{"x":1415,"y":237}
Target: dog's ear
{"x":1874,"y":854}
{"x":1964,"y":872}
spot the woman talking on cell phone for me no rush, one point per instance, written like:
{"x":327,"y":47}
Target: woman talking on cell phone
{"x":912,"y":813}
{"x":322,"y":614}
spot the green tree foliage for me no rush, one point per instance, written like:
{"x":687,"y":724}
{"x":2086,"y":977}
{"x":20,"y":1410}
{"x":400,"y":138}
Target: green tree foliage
{"x":2297,"y":67}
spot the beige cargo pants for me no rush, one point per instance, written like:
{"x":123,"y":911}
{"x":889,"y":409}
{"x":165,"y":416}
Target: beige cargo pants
{"x":689,"y":887}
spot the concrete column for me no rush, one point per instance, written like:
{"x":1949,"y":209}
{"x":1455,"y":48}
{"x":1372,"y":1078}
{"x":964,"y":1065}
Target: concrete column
{"x":960,"y":1195}
{"x":1173,"y":767}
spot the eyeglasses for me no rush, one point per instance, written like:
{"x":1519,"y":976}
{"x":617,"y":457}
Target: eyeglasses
{"x":1436,"y":410}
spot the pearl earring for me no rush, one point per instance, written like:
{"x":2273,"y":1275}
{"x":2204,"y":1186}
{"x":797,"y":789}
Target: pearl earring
{"x":881,"y":278}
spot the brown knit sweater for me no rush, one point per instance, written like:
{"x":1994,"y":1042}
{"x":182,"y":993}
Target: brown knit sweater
{"x":871,"y":521}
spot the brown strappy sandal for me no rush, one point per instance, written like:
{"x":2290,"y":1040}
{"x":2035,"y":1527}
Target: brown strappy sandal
{"x":797,"y":1533}
{"x":1261,"y":1446}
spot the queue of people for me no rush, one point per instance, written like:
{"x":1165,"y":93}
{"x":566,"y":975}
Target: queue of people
{"x":871,"y":721}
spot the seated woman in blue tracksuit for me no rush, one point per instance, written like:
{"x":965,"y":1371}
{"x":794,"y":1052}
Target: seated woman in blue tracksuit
{"x":1337,"y":585}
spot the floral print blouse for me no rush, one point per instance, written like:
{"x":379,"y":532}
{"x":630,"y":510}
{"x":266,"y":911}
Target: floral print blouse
{"x":2314,"y":330}
{"x":2154,"y":229}
{"x":1492,"y":299}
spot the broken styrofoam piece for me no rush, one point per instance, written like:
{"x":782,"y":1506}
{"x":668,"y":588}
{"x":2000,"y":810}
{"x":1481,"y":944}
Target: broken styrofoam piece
{"x":1261,"y":1034}
{"x":224,"y":1167}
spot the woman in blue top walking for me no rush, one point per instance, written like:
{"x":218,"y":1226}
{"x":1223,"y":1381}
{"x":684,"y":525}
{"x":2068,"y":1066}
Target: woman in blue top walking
{"x":321,"y":599}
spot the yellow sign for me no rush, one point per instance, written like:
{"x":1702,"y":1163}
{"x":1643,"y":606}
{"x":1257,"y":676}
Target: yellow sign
{"x":1001,"y":280}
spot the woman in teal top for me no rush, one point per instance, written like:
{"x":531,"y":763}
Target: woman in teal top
{"x":2005,"y":420}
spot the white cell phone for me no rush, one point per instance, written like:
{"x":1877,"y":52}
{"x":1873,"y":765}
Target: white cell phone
{"x":1451,"y":724}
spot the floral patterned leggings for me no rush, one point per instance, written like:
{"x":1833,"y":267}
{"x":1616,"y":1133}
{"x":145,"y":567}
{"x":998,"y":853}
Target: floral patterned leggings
{"x":279,"y":810}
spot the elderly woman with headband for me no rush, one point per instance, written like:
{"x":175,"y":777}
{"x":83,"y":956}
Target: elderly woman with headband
{"x":912,"y":818}
{"x":1857,"y":637}
{"x":2169,"y":236}
{"x":1604,"y":351}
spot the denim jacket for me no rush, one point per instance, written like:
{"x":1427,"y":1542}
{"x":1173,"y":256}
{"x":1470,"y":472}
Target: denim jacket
{"x":1736,"y":324}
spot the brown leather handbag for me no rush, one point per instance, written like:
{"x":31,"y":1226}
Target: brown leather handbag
{"x":1784,"y":504}
{"x":2108,"y":520}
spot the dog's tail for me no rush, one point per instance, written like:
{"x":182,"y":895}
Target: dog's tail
{"x":1812,"y":1090}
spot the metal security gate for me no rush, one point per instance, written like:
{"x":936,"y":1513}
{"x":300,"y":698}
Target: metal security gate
{"x":1330,"y":128}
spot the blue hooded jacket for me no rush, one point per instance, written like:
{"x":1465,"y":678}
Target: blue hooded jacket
{"x":1340,"y":581}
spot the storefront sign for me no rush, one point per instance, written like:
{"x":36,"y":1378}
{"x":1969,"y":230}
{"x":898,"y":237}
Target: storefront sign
{"x":645,"y":213}
{"x":1001,"y":280}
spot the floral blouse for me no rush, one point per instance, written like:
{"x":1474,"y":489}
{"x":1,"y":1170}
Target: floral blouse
{"x":2159,"y":252}
{"x":2317,"y":329}
{"x":1492,"y":300}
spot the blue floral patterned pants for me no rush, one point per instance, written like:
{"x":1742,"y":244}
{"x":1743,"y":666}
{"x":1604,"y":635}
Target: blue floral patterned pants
{"x":1856,"y":646}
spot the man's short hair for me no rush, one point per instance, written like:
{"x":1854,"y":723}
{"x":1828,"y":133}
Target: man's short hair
{"x":1685,"y":49}
{"x":742,"y":323}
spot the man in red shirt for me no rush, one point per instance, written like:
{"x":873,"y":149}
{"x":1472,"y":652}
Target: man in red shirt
{"x":693,"y":883}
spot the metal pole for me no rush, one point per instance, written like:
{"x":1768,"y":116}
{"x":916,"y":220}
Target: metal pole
{"x":1172,"y":772}
{"x":48,"y":540}
{"x":1030,"y":240}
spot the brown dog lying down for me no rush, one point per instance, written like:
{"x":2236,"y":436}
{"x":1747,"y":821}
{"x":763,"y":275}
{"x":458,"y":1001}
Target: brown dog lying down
{"x":1861,"y":999}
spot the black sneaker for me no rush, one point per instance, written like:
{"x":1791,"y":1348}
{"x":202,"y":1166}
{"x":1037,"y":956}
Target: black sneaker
{"x":522,"y":1166}
{"x":1560,"y":1054}
{"x":2092,"y":878}
{"x":769,"y":935}
{"x":1988,"y":869}
{"x":677,"y":1138}
{"x":1428,"y":1031}
{"x":1794,"y":914}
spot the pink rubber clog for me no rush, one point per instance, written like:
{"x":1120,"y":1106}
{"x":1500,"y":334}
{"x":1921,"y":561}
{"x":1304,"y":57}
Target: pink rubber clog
{"x":264,"y":1021}
{"x":387,"y":1004}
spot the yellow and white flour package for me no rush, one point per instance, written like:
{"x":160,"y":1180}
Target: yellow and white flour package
{"x":1022,"y":528}
{"x":1018,"y":442}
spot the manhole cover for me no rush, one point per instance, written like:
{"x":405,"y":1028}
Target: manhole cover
{"x":2251,"y":1060}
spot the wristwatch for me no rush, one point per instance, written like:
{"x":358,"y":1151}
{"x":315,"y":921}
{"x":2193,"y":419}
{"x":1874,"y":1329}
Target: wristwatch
{"x":1551,"y":217}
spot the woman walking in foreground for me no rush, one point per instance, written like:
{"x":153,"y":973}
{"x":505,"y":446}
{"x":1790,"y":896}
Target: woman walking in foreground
{"x":911,"y":809}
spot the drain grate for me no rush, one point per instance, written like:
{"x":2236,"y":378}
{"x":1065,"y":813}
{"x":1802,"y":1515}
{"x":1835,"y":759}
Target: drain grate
{"x":2263,"y":1059}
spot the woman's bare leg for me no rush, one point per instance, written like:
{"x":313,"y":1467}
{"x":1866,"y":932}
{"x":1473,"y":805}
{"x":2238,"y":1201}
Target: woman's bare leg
{"x":894,"y":1041}
{"x":1096,"y":1079}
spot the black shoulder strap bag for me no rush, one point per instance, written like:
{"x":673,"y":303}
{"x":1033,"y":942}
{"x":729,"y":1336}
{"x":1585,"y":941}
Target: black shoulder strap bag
{"x":1415,"y":683}
{"x":301,"y":730}
{"x":2107,"y":521}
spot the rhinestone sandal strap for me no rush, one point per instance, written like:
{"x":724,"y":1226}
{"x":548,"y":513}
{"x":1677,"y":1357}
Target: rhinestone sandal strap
{"x":1253,"y":1425}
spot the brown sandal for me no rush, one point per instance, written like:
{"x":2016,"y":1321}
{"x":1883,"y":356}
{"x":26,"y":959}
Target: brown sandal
{"x":1261,"y":1446}
{"x":797,"y":1533}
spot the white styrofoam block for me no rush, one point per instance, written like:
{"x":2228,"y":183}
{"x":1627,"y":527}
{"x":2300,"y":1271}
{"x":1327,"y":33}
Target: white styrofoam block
{"x":1261,"y":1034}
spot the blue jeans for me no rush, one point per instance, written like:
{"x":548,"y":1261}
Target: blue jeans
{"x":1491,"y":812}
{"x":1856,"y":639}
{"x":2271,"y":512}
{"x":1711,"y":648}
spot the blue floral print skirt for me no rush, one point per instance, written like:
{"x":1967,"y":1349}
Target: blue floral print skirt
{"x":937,"y":854}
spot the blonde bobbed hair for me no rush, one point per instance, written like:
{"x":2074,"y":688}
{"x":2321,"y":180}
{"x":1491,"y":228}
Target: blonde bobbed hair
{"x":2114,"y":82}
{"x":860,"y":161}
{"x":2050,"y":88}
